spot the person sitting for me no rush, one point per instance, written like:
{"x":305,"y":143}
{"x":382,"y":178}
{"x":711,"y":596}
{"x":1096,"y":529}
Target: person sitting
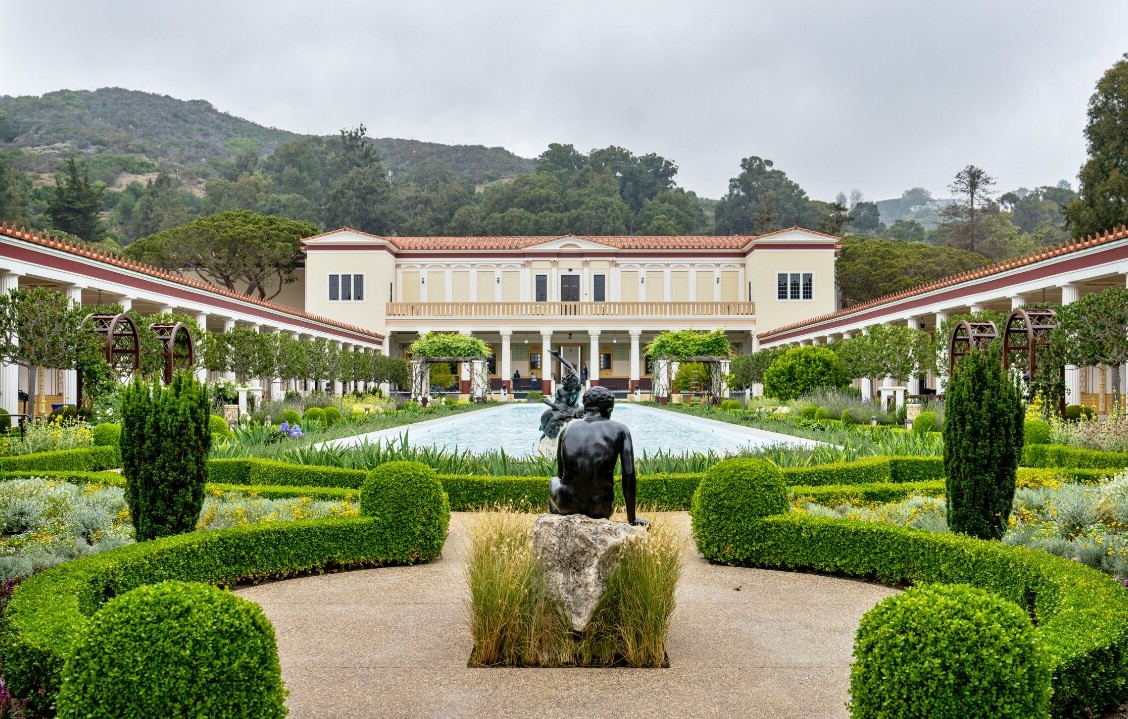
{"x":587,"y":452}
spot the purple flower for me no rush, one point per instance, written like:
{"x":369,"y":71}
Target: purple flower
{"x":291,"y":432}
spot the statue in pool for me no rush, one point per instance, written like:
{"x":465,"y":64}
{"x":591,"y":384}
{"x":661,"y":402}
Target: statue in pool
{"x":562,"y":410}
{"x":588,"y":450}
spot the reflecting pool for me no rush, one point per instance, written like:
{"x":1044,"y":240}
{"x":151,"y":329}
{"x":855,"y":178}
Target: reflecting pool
{"x":515,"y":428}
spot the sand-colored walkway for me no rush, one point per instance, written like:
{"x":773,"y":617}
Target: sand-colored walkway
{"x":394,"y":642}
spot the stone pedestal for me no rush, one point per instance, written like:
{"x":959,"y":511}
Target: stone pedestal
{"x":579,"y":554}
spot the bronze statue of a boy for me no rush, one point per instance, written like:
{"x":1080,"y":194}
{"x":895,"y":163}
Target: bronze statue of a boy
{"x":585,"y":462}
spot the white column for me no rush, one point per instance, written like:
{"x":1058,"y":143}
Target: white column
{"x":667,"y":284}
{"x":546,"y":361}
{"x":636,"y":358}
{"x":474,"y":283}
{"x":1069,"y":295}
{"x":10,"y":373}
{"x":525,"y":291}
{"x":506,"y":371}
{"x":914,"y":378}
{"x":338,"y":386}
{"x":126,"y":303}
{"x":975,"y":307}
{"x":615,"y":291}
{"x":399,"y":284}
{"x":585,"y":279}
{"x":942,"y":343}
{"x":867,"y":389}
{"x":448,"y":283}
{"x":1017,"y":302}
{"x":593,"y":357}
{"x":276,"y":392}
{"x":202,"y":321}
{"x":554,"y":283}
{"x":70,"y":376}
{"x":228,"y":325}
{"x":464,"y":368}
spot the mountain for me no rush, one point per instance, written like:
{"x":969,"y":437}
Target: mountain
{"x":125,"y":131}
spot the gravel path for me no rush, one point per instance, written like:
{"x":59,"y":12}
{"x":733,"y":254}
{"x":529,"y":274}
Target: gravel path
{"x":394,"y":642}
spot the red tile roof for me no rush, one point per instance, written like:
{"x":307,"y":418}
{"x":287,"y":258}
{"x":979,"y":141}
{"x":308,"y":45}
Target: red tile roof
{"x":89,"y":252}
{"x":622,"y":242}
{"x":1044,"y":254}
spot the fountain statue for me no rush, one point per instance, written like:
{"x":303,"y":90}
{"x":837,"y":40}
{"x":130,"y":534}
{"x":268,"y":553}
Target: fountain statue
{"x":563,"y":409}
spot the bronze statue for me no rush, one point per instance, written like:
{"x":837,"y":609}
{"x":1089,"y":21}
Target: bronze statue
{"x":561,"y":410}
{"x":585,"y":462}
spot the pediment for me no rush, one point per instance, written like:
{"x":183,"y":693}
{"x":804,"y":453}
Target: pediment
{"x":573,"y":243}
{"x":345,"y":236}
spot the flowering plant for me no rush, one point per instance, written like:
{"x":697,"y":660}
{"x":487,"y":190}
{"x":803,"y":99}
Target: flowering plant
{"x":285,"y":430}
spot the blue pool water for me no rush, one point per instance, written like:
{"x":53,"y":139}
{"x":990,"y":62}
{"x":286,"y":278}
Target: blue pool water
{"x":515,"y":428}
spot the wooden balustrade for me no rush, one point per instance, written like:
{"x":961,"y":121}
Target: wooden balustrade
{"x":570,"y":309}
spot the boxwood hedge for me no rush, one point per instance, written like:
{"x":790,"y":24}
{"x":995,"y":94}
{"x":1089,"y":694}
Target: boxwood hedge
{"x":1081,"y":614}
{"x":876,"y":493}
{"x":48,"y":612}
{"x":82,"y":459}
{"x":1057,"y":455}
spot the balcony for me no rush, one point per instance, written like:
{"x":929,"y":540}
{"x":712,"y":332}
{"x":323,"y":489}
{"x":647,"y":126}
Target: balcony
{"x":471,"y":310}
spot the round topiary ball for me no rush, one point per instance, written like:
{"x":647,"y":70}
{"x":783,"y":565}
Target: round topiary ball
{"x":410,"y":508}
{"x":315,"y":414}
{"x":333,"y":416}
{"x":730,"y":497}
{"x":823,"y":413}
{"x":218,"y":425}
{"x":925,"y":422}
{"x":1036,"y":431}
{"x":106,"y":434}
{"x":290,"y":417}
{"x":175,"y":649}
{"x":948,"y":651}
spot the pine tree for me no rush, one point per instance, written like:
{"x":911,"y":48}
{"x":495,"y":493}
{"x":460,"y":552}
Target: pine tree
{"x":76,"y":204}
{"x":983,"y":428}
{"x":165,"y":442}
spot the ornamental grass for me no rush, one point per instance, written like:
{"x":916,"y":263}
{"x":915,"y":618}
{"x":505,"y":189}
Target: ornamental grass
{"x":516,"y":622}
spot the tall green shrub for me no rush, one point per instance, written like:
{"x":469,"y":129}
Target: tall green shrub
{"x":983,"y":432}
{"x":165,"y":442}
{"x":803,"y":370}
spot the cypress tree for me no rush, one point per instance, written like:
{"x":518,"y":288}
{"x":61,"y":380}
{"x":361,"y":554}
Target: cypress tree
{"x":983,"y":426}
{"x":165,"y":442}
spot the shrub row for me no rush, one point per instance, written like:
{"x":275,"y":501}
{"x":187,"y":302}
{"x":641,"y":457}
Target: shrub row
{"x":49,"y":611}
{"x":83,"y":459}
{"x":1028,"y":476}
{"x":1080,"y":613}
{"x":332,"y":494}
{"x":876,"y":493}
{"x":267,"y":472}
{"x":1057,"y":455}
{"x":113,"y":479}
{"x":868,"y":470}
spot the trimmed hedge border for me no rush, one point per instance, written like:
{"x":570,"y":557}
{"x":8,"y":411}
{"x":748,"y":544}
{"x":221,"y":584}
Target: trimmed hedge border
{"x":1081,"y":614}
{"x":48,"y":612}
{"x":876,"y":493}
{"x":1057,"y":455}
{"x":332,"y":494}
{"x":113,"y":479}
{"x":82,"y":459}
{"x":1073,"y":475}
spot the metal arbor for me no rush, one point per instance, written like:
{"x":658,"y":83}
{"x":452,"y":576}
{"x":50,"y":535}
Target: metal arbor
{"x":176,"y":341}
{"x":967,"y":337}
{"x":1026,"y":332}
{"x":120,"y":345}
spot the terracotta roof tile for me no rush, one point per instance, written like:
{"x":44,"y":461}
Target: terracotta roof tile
{"x":1037,"y":256}
{"x":78,"y":248}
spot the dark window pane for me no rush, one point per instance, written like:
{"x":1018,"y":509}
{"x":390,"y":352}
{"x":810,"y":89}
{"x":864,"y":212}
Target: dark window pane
{"x":599,"y":288}
{"x":781,"y":286}
{"x":534,"y":360}
{"x":808,"y":286}
{"x":542,"y":288}
{"x":334,"y":288}
{"x":605,"y":360}
{"x":794,"y":286}
{"x":649,"y":365}
{"x":569,"y":288}
{"x":358,"y":287}
{"x":346,"y":288}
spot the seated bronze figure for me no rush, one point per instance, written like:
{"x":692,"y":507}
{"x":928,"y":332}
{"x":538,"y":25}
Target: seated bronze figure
{"x":585,"y":462}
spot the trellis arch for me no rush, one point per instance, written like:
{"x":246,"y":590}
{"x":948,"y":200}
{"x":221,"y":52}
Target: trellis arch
{"x":176,"y":341}
{"x":1025,"y":334}
{"x":121,"y":346}
{"x":968,"y":336}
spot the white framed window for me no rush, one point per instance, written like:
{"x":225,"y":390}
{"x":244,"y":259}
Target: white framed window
{"x":346,"y":288}
{"x":795,"y":286}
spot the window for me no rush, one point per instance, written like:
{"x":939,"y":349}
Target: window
{"x":604,"y":360}
{"x":795,"y":286}
{"x":569,"y":288}
{"x":534,"y":360}
{"x":346,"y":288}
{"x":491,"y":363}
{"x":599,"y":288}
{"x":649,"y":365}
{"x":542,"y":288}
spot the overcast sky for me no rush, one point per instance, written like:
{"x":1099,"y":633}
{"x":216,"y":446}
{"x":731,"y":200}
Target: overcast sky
{"x":875,"y":95}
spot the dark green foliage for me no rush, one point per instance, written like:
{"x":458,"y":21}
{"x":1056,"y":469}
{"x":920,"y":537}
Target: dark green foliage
{"x":332,"y":494}
{"x":802,"y":370}
{"x":848,"y":418}
{"x":876,"y":493}
{"x":868,"y":268}
{"x":82,"y":459}
{"x":1103,"y":204}
{"x":809,"y":411}
{"x":948,"y":651}
{"x":113,"y":479}
{"x":49,"y":611}
{"x":76,"y":204}
{"x":290,"y":416}
{"x":729,"y":404}
{"x":315,"y":414}
{"x":1081,"y":614}
{"x":333,"y":416}
{"x":1075,"y":412}
{"x":1073,"y":475}
{"x":410,"y":509}
{"x":983,"y":425}
{"x":915,"y":469}
{"x":1057,"y":455}
{"x":1036,"y":431}
{"x":130,"y":661}
{"x":861,"y":471}
{"x":925,"y":422}
{"x":166,"y":438}
{"x":822,"y":413}
{"x":733,"y":493}
{"x":218,"y":425}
